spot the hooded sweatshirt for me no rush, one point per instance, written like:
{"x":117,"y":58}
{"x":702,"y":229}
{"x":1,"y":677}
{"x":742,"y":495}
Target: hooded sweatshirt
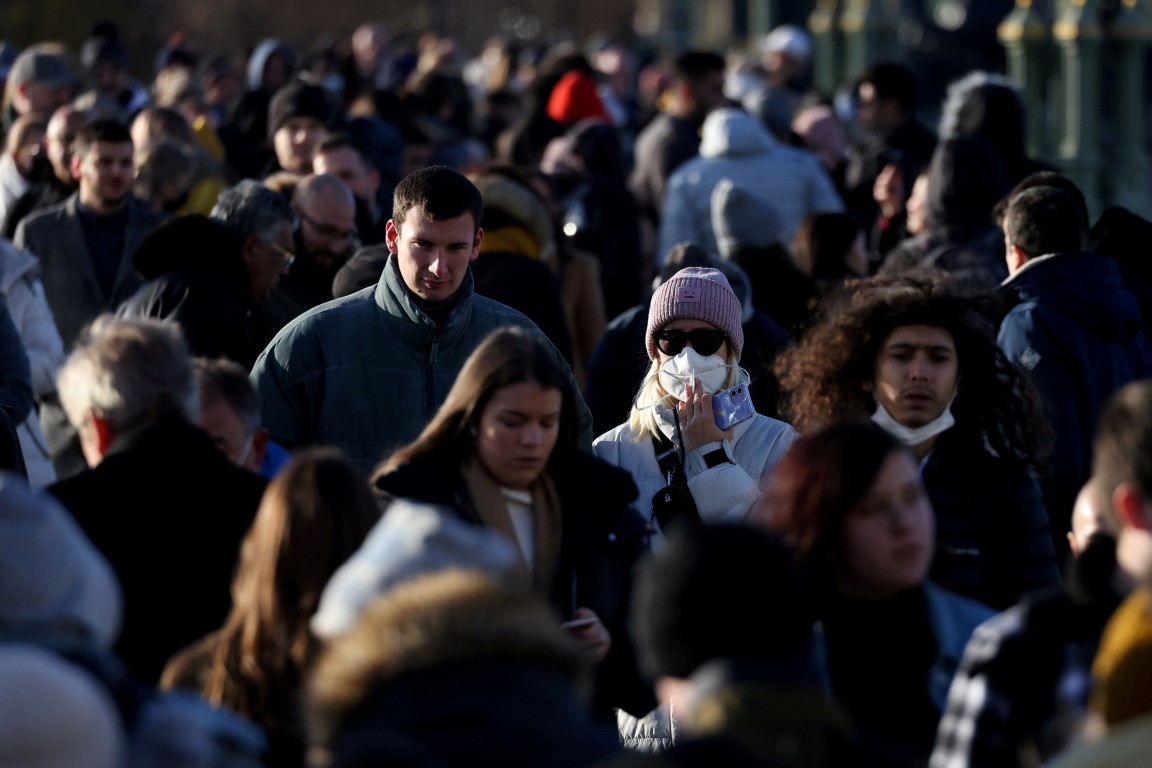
{"x":736,"y":146}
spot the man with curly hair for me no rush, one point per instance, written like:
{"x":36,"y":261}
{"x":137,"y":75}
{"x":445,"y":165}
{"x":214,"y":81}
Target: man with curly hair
{"x":920,"y":359}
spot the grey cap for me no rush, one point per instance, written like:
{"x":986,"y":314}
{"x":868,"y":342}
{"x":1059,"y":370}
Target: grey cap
{"x":42,"y":67}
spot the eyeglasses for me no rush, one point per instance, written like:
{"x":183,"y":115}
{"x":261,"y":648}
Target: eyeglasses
{"x":328,"y":230}
{"x":704,"y":340}
{"x":289,"y":257}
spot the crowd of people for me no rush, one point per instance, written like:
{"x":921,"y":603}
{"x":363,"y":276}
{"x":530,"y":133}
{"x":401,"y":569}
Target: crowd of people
{"x":560,"y":407}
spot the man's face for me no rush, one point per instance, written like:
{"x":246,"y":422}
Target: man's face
{"x":295,"y":143}
{"x":268,"y":261}
{"x":28,"y":151}
{"x":433,"y":256}
{"x":59,"y":141}
{"x":916,"y":373}
{"x":105,"y":173}
{"x":226,"y":429}
{"x":347,"y":164}
{"x":875,"y":113}
{"x":109,"y":78}
{"x":43,"y":99}
{"x":327,"y":228}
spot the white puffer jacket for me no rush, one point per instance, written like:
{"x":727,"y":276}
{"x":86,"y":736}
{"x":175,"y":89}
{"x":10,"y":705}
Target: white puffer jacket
{"x":723,"y":493}
{"x":23,"y":290}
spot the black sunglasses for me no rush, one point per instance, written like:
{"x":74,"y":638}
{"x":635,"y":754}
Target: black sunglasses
{"x":704,"y":340}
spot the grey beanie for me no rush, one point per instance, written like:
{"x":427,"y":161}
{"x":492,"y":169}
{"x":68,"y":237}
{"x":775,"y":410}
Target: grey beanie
{"x":743,"y":219}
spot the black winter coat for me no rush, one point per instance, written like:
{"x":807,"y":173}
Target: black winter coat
{"x":169,"y":512}
{"x":992,"y":535}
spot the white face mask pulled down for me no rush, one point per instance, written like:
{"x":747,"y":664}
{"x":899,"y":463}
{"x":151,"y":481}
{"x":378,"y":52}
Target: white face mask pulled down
{"x":913,"y":436}
{"x":678,"y":372}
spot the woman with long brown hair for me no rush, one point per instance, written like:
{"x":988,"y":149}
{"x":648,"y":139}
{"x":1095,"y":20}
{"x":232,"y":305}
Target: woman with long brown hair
{"x":502,"y":452}
{"x":313,"y":516}
{"x":850,"y":501}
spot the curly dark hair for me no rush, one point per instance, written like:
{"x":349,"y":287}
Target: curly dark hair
{"x":827,"y":376}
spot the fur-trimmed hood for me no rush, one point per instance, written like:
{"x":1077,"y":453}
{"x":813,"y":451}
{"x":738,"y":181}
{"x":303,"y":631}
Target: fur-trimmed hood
{"x":512,"y":204}
{"x":451,"y":619}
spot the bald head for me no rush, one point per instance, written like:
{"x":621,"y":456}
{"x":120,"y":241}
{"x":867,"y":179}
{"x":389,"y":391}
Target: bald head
{"x":1090,"y":515}
{"x":327,"y":211}
{"x":63,"y":127}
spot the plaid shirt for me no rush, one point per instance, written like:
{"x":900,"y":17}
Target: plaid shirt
{"x":1023,"y":683}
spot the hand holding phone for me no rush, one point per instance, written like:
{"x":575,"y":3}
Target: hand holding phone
{"x":732,"y":406}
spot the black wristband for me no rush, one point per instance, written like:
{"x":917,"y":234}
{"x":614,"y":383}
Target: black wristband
{"x":716,"y":458}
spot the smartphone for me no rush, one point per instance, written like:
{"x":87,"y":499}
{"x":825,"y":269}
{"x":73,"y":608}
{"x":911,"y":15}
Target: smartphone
{"x":732,"y":406}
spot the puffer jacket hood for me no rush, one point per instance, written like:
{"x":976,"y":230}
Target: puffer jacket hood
{"x":491,"y":650}
{"x":513,"y":203}
{"x":734,"y":133}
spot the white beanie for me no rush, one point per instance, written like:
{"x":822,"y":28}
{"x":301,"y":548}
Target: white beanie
{"x":49,"y":570}
{"x":788,"y":39}
{"x":53,"y":714}
{"x":411,"y":539}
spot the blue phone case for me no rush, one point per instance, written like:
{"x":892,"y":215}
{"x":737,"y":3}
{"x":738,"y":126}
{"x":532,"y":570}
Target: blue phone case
{"x":732,"y":406}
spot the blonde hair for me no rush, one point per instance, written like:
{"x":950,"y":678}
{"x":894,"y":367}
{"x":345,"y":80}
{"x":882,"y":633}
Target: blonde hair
{"x":651,"y":395}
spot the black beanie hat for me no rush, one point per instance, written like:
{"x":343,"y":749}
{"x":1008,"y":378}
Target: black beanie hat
{"x":721,"y":591}
{"x":299,"y":99}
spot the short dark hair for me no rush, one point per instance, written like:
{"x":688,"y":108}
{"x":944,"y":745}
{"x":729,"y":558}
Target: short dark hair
{"x":342,"y":140}
{"x":891,"y":80}
{"x":1044,"y":220}
{"x":112,"y":131}
{"x":696,"y":65}
{"x":1042,"y":179}
{"x":1122,"y":448}
{"x":440,"y":192}
{"x":223,"y":380}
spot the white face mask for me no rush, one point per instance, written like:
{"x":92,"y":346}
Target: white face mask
{"x":678,"y":372}
{"x":913,"y":436}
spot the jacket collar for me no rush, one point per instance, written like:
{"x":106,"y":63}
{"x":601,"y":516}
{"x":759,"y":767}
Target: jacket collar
{"x":392,"y":296}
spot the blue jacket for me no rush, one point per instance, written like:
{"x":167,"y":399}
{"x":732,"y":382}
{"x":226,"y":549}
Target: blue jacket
{"x":366,"y":372}
{"x":1078,"y":330}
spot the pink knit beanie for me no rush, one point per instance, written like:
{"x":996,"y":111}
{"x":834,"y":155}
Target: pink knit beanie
{"x":699,"y":293}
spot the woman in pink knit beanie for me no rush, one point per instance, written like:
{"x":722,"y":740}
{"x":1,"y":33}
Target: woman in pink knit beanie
{"x":694,"y":340}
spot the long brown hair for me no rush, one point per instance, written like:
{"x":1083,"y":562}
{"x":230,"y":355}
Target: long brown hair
{"x":314,"y":515}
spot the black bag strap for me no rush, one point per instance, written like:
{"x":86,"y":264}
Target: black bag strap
{"x":672,"y":469}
